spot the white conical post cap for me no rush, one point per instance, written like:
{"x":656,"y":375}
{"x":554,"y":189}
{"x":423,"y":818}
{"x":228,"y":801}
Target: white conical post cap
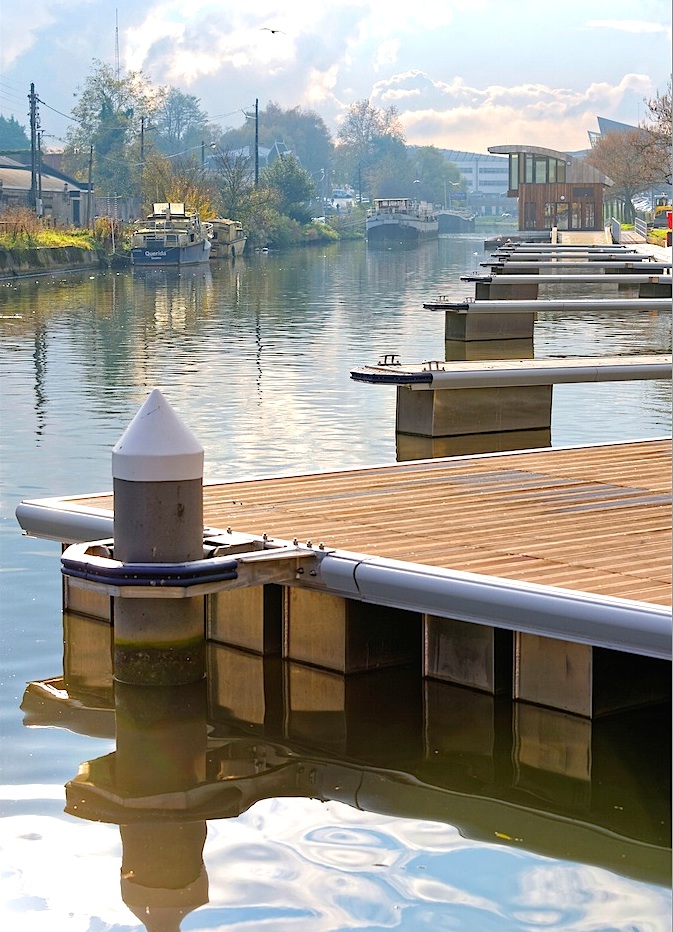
{"x":157,"y":446}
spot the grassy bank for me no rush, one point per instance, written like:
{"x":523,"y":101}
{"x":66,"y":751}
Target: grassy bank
{"x":27,"y":244}
{"x":657,"y":237}
{"x":21,"y":229}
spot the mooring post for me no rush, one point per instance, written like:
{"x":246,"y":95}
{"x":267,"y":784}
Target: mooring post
{"x":163,"y":876}
{"x":157,"y":471}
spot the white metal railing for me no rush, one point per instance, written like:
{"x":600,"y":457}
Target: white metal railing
{"x":641,"y":228}
{"x":615,"y":230}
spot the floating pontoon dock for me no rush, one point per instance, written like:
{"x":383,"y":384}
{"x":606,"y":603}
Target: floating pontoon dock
{"x":495,"y":404}
{"x":561,"y":266}
{"x":572,"y":544}
{"x":435,"y":375}
{"x":568,"y":305}
{"x":638,"y":278}
{"x":526,"y":285}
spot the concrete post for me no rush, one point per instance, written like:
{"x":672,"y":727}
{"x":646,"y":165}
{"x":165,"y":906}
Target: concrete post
{"x":157,"y":470}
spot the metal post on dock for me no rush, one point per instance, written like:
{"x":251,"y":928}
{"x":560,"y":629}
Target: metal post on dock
{"x":157,"y":471}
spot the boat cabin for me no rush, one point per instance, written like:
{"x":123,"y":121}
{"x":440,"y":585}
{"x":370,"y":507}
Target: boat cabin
{"x":393,"y":205}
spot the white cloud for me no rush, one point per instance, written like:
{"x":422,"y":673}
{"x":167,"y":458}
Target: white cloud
{"x":453,"y":114}
{"x":386,"y":54}
{"x":21,"y":28}
{"x":438,"y":64}
{"x":629,"y":25}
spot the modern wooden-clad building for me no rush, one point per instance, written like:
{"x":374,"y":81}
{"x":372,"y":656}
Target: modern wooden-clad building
{"x":554,"y":189}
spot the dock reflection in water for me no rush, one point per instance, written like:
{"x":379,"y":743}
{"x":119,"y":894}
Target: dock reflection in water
{"x":383,"y":742}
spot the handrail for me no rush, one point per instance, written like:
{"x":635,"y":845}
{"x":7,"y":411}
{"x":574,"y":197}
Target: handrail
{"x":641,"y":228}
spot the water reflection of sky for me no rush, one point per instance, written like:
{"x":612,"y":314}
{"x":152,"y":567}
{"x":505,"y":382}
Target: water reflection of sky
{"x":296,"y":865}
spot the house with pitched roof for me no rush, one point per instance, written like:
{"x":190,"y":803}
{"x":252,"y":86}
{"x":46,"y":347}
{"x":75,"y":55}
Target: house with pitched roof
{"x":54,"y":195}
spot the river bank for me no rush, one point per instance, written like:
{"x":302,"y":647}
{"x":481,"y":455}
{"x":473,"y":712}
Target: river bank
{"x":29,"y":260}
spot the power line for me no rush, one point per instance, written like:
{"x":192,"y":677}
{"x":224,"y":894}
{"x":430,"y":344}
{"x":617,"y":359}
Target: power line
{"x":219,"y":116}
{"x":60,"y":113}
{"x":11,"y":94}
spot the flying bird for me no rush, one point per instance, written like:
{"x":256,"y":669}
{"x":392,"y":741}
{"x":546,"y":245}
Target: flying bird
{"x":273,"y":31}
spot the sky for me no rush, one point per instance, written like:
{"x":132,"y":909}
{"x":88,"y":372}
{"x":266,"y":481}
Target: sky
{"x":462,"y":74}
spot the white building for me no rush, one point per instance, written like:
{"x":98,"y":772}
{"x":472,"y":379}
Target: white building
{"x":482,"y":174}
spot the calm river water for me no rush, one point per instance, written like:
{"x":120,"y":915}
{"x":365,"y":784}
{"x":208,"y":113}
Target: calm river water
{"x":429,"y":815}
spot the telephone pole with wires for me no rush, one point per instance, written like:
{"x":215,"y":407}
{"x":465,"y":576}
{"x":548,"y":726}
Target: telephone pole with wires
{"x":34,"y":125}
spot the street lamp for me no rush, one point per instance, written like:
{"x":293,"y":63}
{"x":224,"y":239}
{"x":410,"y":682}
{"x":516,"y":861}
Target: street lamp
{"x":454,"y":184}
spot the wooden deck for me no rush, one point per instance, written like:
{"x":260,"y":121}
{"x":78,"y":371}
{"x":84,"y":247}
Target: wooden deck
{"x":595,"y":519}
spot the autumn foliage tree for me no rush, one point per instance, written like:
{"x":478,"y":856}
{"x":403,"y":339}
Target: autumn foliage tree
{"x":233,"y":174}
{"x":622,"y":157}
{"x":371,"y":150}
{"x":178,"y":180}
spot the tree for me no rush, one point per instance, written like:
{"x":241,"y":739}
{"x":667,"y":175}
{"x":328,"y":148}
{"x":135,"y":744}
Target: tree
{"x":391,"y":173}
{"x":261,"y":217}
{"x":294,"y":185}
{"x":108,"y":116}
{"x":233,"y":178}
{"x":180,"y":123}
{"x":302,"y":131}
{"x":371,"y":149}
{"x":620,"y":157}
{"x":12,"y":134}
{"x":657,"y":151}
{"x":178,"y":180}
{"x":437,"y":177}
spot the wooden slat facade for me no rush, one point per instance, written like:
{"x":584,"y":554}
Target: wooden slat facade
{"x":595,"y":519}
{"x":570,"y":206}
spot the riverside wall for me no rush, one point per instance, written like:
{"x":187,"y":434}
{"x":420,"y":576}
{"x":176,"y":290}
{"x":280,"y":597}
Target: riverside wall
{"x":45,"y":259}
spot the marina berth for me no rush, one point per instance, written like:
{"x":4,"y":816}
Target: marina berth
{"x":460,"y":538}
{"x":447,"y":375}
{"x":569,"y":305}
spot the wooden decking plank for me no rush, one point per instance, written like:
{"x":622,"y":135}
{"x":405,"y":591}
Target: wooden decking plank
{"x":595,"y":518}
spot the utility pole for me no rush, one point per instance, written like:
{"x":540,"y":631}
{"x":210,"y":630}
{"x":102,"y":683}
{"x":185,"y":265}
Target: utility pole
{"x":32,"y":196}
{"x":38,"y":204}
{"x":89,"y":196}
{"x":256,"y":141}
{"x":142,"y":140}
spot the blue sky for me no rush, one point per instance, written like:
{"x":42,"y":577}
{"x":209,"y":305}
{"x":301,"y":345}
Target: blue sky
{"x":463,"y":74}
